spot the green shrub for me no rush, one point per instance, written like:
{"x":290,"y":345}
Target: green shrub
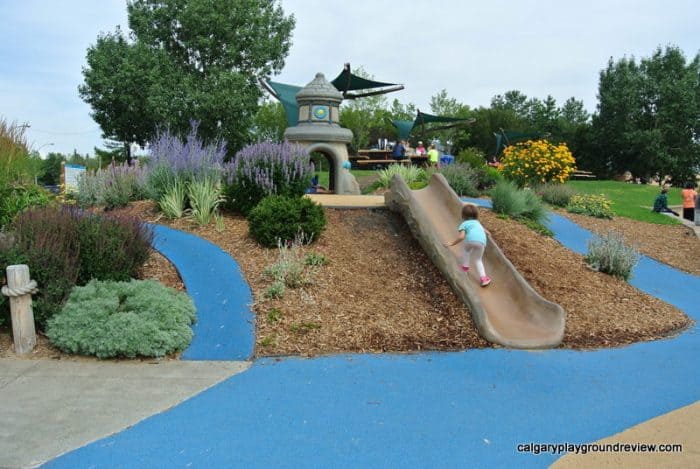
{"x":610,"y":255}
{"x":276,"y":290}
{"x":15,"y":199}
{"x":111,"y":248}
{"x":592,"y":205}
{"x":205,"y":198}
{"x":409,"y":173}
{"x":123,"y":319}
{"x":64,"y":247}
{"x":47,"y":241}
{"x":265,"y":169}
{"x":315,"y":259}
{"x":488,"y":177}
{"x":283,"y":218}
{"x":556,"y":194}
{"x":472,"y":156}
{"x":508,"y":199}
{"x":462,"y":178}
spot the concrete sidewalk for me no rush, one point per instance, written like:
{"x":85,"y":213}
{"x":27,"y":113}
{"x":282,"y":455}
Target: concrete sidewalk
{"x":50,"y":406}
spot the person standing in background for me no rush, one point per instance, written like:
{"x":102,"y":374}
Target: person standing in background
{"x":689,"y":195}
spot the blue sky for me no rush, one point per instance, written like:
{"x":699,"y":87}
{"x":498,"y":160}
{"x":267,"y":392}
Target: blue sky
{"x":472,"y":49}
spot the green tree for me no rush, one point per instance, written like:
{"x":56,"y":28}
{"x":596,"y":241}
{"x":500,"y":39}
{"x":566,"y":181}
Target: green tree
{"x":647,"y":116}
{"x":514,"y":101}
{"x":187,"y":60}
{"x":269,"y":122}
{"x":51,"y":169}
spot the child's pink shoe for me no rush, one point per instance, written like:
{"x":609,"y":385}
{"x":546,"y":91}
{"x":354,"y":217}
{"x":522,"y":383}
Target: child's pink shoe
{"x":465,"y":268}
{"x":485,"y":280}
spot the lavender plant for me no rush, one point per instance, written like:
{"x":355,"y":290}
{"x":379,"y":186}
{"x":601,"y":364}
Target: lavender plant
{"x":173,"y":160}
{"x":266,"y":169}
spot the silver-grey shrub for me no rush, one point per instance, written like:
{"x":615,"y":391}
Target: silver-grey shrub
{"x":610,"y":254}
{"x":113,"y":186}
{"x":462,"y":177}
{"x":555,"y":193}
{"x":508,"y":199}
{"x":123,"y":319}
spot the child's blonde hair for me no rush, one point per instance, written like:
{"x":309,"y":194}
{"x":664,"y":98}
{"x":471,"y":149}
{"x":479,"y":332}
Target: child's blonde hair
{"x":470,"y":212}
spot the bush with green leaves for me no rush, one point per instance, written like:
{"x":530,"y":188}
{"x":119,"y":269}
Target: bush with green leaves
{"x":609,"y":254}
{"x":409,"y":173}
{"x":111,"y":248}
{"x":555,"y":193}
{"x":462,"y":178}
{"x":123,"y":319}
{"x":65,"y":246}
{"x":592,"y":205}
{"x":283,"y":218}
{"x":264,"y":169}
{"x":17,"y":198}
{"x":472,"y":156}
{"x":508,"y":199}
{"x":488,"y":177}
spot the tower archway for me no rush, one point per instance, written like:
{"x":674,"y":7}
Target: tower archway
{"x":318,"y":129}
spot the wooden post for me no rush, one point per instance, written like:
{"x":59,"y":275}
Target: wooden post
{"x":19,"y":289}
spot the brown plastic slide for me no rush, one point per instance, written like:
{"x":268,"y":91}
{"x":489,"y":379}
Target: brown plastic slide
{"x":508,"y":311}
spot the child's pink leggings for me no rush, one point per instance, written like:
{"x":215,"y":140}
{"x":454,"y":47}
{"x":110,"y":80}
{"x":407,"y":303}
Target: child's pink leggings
{"x":475,"y":249}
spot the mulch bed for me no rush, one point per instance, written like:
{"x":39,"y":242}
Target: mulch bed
{"x":380,"y":292}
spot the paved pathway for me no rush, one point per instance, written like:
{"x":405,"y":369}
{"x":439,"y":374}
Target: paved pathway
{"x":225,"y":327}
{"x":462,"y":409}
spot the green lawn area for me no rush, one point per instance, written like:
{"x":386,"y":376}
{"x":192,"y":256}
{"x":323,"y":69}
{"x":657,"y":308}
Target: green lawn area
{"x":358,"y":173}
{"x":631,"y":200}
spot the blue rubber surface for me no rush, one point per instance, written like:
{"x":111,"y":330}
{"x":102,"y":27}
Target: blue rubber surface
{"x":462,"y":409}
{"x":225,"y":327}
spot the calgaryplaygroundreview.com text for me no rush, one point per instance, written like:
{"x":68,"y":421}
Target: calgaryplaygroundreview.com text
{"x":585,"y":448}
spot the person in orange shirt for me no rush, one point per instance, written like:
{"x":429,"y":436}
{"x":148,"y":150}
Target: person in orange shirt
{"x":689,"y":196}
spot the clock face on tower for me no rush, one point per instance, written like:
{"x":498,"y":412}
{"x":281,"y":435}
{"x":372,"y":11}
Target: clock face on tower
{"x":320,"y":113}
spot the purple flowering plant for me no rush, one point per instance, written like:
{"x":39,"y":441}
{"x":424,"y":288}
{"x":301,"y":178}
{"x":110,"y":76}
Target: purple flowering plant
{"x":173,"y":160}
{"x":264,"y":169}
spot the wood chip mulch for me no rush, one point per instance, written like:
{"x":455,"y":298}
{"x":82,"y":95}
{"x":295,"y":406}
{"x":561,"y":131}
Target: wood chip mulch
{"x":379,"y":292}
{"x":675,"y":245}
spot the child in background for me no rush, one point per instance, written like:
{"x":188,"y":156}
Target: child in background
{"x":473,"y":236}
{"x":689,"y":196}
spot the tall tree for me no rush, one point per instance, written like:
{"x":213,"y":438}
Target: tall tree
{"x":187,"y":60}
{"x":647,"y":116}
{"x":269,"y":122}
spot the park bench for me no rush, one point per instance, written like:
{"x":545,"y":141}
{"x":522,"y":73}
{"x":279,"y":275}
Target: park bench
{"x":582,"y":175}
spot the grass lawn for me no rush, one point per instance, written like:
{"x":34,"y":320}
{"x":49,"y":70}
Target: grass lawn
{"x":631,"y":200}
{"x":323,"y":175}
